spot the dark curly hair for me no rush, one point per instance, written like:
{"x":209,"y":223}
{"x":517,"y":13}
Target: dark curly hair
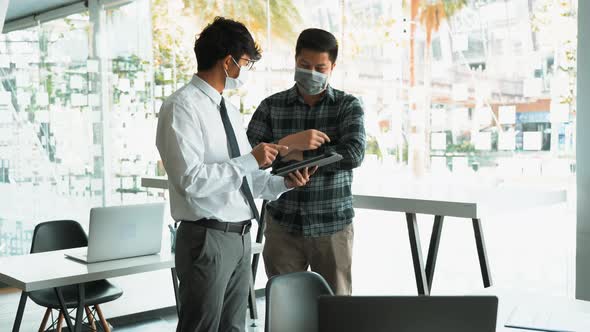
{"x":222,"y":37}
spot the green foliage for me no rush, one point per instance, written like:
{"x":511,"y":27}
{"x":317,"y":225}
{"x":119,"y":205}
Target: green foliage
{"x":453,"y":6}
{"x":464,"y":147}
{"x":373,"y":147}
{"x":174,"y":35}
{"x":432,"y":13}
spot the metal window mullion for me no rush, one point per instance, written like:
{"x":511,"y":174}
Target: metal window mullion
{"x":99,"y":52}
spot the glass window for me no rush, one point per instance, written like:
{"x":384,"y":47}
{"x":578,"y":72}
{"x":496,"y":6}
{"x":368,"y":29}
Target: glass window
{"x":47,"y":161}
{"x":131,"y":112}
{"x":485,"y":96}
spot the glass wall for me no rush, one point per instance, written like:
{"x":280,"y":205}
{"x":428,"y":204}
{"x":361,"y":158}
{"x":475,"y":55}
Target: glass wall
{"x":460,"y":94}
{"x":47,"y":135}
{"x":482,"y":96}
{"x":52,"y":143}
{"x":131,"y":111}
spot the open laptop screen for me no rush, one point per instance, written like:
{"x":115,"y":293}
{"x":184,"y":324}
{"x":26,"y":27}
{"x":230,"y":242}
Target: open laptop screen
{"x":408,"y":313}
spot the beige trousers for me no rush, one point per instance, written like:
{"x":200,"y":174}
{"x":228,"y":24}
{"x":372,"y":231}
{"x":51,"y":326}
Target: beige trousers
{"x":330,"y":256}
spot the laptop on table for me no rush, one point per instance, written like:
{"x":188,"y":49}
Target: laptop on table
{"x":407,"y":313}
{"x":122,"y":232}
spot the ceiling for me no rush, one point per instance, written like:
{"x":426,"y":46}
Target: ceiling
{"x":22,"y":8}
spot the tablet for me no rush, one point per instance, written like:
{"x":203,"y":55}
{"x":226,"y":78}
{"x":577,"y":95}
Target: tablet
{"x":322,"y":160}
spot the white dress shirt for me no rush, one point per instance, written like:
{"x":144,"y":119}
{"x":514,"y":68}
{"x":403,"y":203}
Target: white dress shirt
{"x":203,"y":181}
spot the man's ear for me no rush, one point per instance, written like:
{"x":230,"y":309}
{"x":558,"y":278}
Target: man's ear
{"x":226,"y":62}
{"x":333,"y":65}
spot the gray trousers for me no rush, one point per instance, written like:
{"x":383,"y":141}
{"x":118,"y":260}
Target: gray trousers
{"x":214,"y":272}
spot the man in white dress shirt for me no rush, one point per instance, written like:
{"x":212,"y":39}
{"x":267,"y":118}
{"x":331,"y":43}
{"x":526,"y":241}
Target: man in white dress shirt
{"x":213,"y":175}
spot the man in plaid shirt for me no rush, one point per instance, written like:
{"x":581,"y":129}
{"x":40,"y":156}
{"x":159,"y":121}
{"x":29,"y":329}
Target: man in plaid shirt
{"x":311,"y":226}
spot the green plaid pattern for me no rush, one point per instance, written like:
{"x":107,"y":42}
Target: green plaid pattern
{"x":324,"y":205}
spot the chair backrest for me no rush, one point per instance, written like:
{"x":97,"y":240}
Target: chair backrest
{"x":292,"y":302}
{"x":58,"y":235}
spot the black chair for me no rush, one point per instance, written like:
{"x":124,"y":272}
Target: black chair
{"x":292,"y":302}
{"x":67,"y":234}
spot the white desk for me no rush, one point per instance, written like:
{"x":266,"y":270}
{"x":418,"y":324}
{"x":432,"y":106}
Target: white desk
{"x":509,"y":299}
{"x":447,"y":200}
{"x":456,"y":200}
{"x":471,"y":202}
{"x":440,"y":200}
{"x":53,"y":270}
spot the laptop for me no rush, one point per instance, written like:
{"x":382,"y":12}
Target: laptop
{"x":122,"y":232}
{"x":407,"y":313}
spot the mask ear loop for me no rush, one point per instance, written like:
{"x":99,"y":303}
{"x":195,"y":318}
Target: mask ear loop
{"x":329,"y":77}
{"x":237,"y":65}
{"x":327,"y":80}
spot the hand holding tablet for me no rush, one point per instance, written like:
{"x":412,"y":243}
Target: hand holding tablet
{"x":300,"y":177}
{"x":322,"y":160}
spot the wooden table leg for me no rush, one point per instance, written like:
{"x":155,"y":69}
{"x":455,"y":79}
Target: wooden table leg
{"x":90,"y":318}
{"x":60,"y":322}
{"x":419,"y":273}
{"x":103,"y":321}
{"x":481,"y":253}
{"x":45,"y":319}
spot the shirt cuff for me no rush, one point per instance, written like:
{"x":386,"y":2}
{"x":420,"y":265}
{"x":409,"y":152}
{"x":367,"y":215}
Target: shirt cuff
{"x":247,"y":162}
{"x":278,"y":184}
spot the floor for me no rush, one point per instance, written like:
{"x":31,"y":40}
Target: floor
{"x":166,"y":320}
{"x":150,"y":321}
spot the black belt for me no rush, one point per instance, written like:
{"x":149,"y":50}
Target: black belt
{"x":242,"y":227}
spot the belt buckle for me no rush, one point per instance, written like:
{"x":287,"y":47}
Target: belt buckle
{"x":243,"y":230}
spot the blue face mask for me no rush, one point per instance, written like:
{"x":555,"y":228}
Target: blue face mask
{"x":311,"y":82}
{"x":236,"y":83}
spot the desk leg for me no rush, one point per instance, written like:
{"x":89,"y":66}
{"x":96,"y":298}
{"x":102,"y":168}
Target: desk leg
{"x":252,"y":303}
{"x":175,"y":285}
{"x":252,"y":293}
{"x":64,"y":309}
{"x":481,"y":252}
{"x":255,"y":260}
{"x":19,"y":312}
{"x":433,"y":249}
{"x":419,"y":273}
{"x":259,"y":237}
{"x":80,"y":309}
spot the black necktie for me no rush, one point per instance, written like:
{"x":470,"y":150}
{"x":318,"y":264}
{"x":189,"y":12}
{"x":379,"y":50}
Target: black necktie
{"x":234,"y":151}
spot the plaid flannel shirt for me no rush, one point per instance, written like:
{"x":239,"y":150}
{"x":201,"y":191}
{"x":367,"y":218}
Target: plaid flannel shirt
{"x":324,"y":205}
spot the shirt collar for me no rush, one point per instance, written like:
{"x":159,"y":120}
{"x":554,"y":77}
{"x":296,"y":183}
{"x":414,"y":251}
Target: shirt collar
{"x":293,"y":95}
{"x":207,"y":89}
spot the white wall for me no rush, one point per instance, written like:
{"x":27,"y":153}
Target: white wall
{"x":583,"y":154}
